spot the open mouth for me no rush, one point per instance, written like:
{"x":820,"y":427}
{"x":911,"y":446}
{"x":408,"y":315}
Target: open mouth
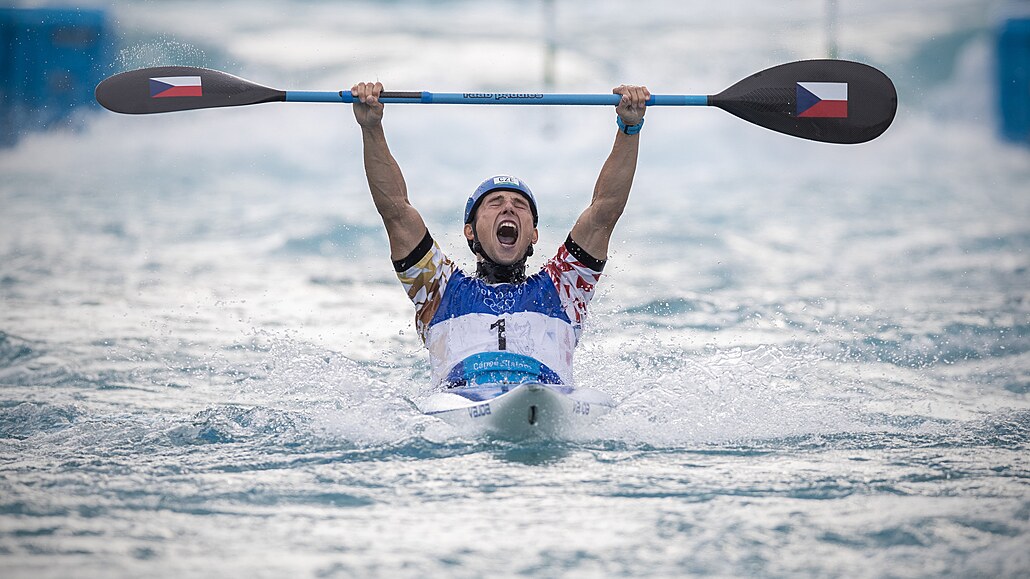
{"x":507,"y":233}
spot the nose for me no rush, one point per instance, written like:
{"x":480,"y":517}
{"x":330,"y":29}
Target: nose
{"x":508,"y":205}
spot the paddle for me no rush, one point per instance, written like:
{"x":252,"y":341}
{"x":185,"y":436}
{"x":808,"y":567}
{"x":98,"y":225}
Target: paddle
{"x":833,"y":101}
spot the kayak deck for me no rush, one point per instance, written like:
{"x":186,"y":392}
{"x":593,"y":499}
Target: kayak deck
{"x":519,"y":410}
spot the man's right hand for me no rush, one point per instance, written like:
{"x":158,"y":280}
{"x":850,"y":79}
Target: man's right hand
{"x":368,"y":111}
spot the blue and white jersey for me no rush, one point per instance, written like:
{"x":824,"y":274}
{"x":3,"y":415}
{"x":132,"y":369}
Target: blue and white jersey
{"x":479,"y":333}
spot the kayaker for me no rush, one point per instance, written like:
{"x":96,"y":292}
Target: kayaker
{"x":498,"y":325}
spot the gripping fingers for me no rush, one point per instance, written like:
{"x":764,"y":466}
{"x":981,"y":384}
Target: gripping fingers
{"x":635,"y":96}
{"x":367,"y":92}
{"x":633,"y":103}
{"x":368,"y":110}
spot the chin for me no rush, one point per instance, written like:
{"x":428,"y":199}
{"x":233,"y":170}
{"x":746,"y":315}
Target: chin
{"x":506,"y":260}
{"x":508,"y":257}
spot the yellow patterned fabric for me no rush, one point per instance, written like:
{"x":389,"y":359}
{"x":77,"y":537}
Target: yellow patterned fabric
{"x":425,"y":283}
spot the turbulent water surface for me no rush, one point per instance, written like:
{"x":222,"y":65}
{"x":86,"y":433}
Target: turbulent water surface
{"x":821,"y":354}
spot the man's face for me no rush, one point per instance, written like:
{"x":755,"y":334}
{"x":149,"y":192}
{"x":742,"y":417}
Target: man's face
{"x":504,"y":222}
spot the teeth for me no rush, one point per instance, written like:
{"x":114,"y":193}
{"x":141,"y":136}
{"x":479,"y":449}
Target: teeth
{"x":507,"y":232}
{"x":506,"y":224}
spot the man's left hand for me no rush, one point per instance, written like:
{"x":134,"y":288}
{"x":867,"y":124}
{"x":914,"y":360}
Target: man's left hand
{"x":631,"y":107}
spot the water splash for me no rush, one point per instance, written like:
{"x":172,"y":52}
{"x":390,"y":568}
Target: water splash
{"x":340,"y":398}
{"x":160,"y":52}
{"x":669,"y":396}
{"x":28,"y":419}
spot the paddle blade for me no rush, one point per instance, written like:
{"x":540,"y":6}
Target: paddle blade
{"x":833,"y":101}
{"x":165,"y":89}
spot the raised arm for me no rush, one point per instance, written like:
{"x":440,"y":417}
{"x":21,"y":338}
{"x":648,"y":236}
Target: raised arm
{"x":404,"y":225}
{"x":593,"y":229}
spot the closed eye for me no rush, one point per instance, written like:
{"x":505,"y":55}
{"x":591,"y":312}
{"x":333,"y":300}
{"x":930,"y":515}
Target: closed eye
{"x":517,"y":201}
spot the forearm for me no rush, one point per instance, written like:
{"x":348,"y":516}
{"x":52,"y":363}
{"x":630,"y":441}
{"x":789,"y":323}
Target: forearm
{"x":611,"y":191}
{"x":385,"y":180}
{"x":594,"y":228}
{"x":404,"y":226}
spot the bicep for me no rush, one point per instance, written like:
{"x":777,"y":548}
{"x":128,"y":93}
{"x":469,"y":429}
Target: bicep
{"x":593,"y":229}
{"x":405,"y":229}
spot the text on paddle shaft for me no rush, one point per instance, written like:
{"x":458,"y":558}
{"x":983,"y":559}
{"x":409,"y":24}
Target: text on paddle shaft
{"x":502,"y":342}
{"x":500,"y":96}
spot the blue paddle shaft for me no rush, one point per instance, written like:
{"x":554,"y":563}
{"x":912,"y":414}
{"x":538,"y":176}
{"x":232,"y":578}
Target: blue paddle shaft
{"x":769,"y":98}
{"x":454,"y":98}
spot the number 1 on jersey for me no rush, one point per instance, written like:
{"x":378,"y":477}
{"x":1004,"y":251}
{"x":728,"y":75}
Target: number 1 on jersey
{"x":502,"y":343}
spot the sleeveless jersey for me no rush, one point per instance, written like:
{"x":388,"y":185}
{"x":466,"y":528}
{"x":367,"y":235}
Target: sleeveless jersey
{"x":479,"y":333}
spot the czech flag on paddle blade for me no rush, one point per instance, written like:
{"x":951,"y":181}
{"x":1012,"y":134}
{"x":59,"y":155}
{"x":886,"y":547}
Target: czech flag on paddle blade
{"x":823,"y":99}
{"x":176,"y":86}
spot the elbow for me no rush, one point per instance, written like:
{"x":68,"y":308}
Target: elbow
{"x":392,"y":212}
{"x":395,"y":212}
{"x":603,"y":219}
{"x":608,"y":212}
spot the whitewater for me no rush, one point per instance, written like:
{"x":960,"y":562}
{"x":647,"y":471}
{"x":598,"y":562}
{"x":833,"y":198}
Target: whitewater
{"x":820,"y":353}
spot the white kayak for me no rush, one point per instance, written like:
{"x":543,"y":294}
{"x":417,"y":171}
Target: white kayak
{"x":519,"y":410}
